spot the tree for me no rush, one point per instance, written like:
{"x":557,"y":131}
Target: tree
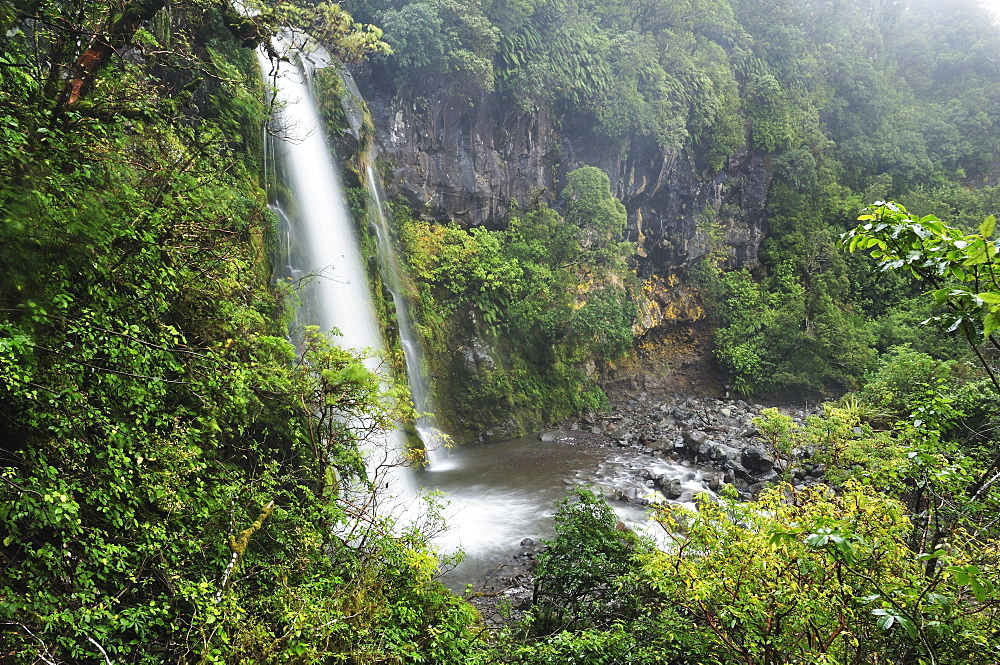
{"x":74,"y":40}
{"x":173,"y":472}
{"x":581,"y":578}
{"x":961,"y":269}
{"x":592,"y":207}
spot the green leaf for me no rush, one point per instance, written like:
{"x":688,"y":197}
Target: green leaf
{"x":979,"y":589}
{"x":991,"y":323}
{"x":988,"y":225}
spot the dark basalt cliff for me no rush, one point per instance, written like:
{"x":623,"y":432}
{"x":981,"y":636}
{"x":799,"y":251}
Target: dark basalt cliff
{"x":473,"y":161}
{"x":478,"y":160}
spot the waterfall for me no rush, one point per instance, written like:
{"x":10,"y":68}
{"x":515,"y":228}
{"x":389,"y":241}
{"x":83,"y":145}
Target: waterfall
{"x":435,"y":442}
{"x":338,"y":299}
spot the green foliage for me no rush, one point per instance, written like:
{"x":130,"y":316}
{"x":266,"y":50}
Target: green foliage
{"x":582,"y":576}
{"x":960,"y":267}
{"x":910,"y":385}
{"x":777,"y":336}
{"x":177,"y":482}
{"x":799,"y":575}
{"x":845,"y":102}
{"x":450,"y":39}
{"x":591,"y":206}
{"x":548,"y":294}
{"x":811,"y":576}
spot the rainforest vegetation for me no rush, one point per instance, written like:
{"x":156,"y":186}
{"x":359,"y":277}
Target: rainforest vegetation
{"x":179,"y":482}
{"x":851,"y":102}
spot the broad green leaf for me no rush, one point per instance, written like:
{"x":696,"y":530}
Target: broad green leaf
{"x":987,"y":227}
{"x":990,"y":323}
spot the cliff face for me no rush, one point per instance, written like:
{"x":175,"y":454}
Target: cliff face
{"x":472,"y":161}
{"x":475,"y":161}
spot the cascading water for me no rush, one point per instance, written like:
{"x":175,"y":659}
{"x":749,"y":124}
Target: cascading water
{"x":433,"y":440}
{"x":339,"y":298}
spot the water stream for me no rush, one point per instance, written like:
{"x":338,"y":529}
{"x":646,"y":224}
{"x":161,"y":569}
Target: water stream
{"x":431,"y":436}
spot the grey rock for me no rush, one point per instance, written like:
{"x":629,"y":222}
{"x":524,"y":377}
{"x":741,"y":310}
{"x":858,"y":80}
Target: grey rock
{"x":695,"y":439}
{"x":722,"y":453}
{"x":757,"y":459}
{"x":619,"y":434}
{"x":659,"y":444}
{"x":739,"y":471}
{"x":671,"y":489}
{"x":768,"y":477}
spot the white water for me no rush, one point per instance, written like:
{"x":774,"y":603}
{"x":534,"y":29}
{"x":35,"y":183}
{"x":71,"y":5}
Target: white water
{"x":339,"y":298}
{"x":434,"y":440}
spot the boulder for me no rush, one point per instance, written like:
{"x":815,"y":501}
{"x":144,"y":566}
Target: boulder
{"x":768,"y":477}
{"x":659,"y":444}
{"x":695,"y":439}
{"x":739,"y":471}
{"x":722,"y":453}
{"x":671,"y":488}
{"x":756,"y":459}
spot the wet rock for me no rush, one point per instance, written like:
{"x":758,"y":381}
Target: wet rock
{"x":769,"y":477}
{"x":738,"y":470}
{"x":619,"y":434}
{"x":671,"y":489}
{"x":722,"y":453}
{"x":756,"y":458}
{"x":695,"y":439}
{"x":659,"y":444}
{"x":551,"y":435}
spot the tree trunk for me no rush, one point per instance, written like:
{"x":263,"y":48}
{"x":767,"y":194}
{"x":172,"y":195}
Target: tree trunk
{"x":102,"y":46}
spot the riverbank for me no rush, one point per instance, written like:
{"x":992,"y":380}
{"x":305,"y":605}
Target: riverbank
{"x":667,"y":448}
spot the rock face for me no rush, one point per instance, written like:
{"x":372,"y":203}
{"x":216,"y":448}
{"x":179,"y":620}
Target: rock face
{"x":474,"y":159}
{"x":470,"y":159}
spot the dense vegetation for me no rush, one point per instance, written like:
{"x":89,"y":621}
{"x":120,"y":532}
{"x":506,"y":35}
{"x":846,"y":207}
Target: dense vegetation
{"x":896,"y":559}
{"x":849,"y":101}
{"x":177,"y":483}
{"x":549,"y":293}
